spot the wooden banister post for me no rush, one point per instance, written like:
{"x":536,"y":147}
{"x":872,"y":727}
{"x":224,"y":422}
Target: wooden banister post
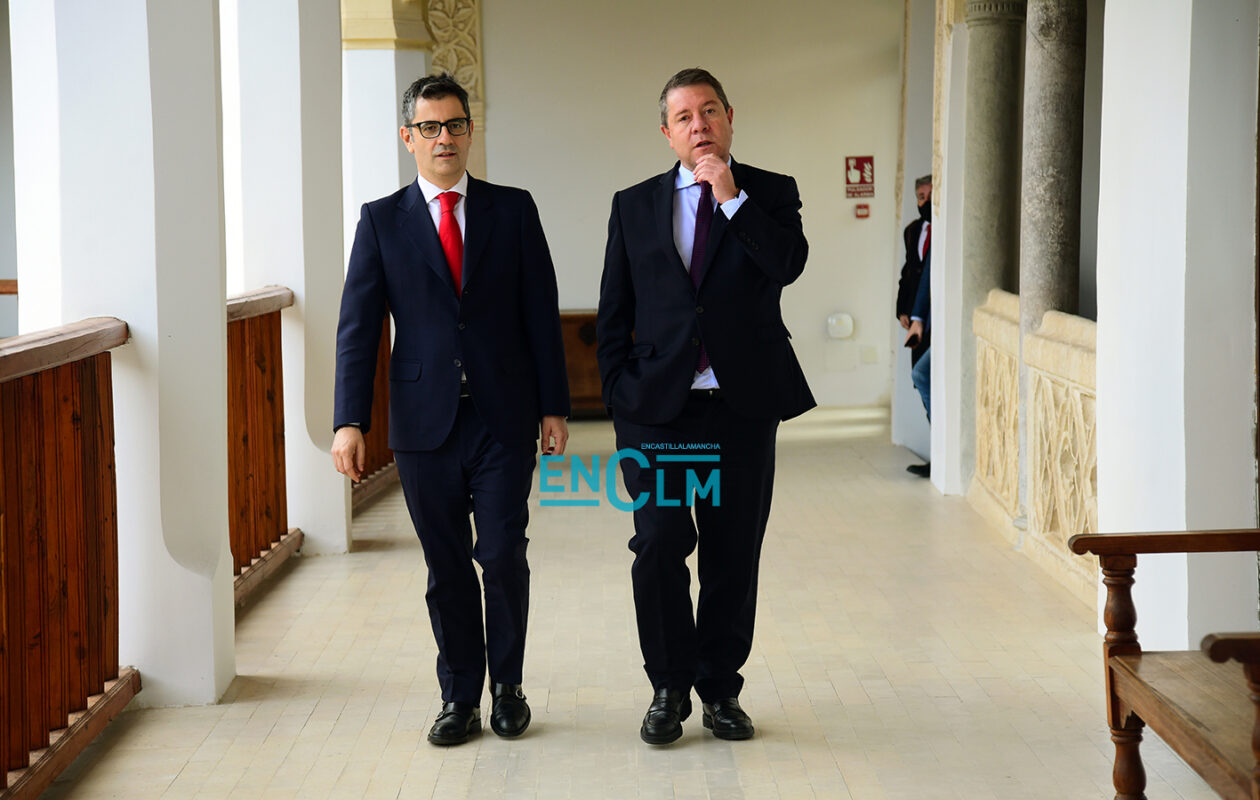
{"x":1120,"y":616}
{"x":1252,"y":672}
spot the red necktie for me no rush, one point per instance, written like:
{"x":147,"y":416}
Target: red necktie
{"x":704,"y":221}
{"x":452,"y":242}
{"x":927,"y":240}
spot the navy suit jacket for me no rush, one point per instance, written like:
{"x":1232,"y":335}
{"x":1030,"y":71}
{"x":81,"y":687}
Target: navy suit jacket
{"x":651,"y":318}
{"x":908,"y":286}
{"x":504,"y":333}
{"x":923,"y":293}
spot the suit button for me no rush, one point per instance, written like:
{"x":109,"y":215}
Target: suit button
{"x":458,"y":363}
{"x":461,"y":326}
{"x":699,"y":309}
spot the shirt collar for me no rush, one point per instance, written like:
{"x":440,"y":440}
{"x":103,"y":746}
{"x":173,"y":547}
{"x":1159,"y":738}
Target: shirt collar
{"x":687,"y":178}
{"x":430,"y":191}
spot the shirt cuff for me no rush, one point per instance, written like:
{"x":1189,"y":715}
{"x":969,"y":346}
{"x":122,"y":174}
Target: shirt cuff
{"x":917,"y":319}
{"x":731,"y":206}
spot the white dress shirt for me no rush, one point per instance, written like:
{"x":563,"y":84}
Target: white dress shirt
{"x":431,"y":193}
{"x":686,"y":201}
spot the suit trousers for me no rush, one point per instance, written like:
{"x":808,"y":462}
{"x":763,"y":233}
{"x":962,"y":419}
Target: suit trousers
{"x":472,"y":469}
{"x":705,"y":650}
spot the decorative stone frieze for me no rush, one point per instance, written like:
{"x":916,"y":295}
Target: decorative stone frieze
{"x":456,"y":26}
{"x":996,"y":326}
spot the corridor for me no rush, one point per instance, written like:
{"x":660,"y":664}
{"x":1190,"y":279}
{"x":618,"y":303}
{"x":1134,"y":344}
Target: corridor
{"x":903,"y":651}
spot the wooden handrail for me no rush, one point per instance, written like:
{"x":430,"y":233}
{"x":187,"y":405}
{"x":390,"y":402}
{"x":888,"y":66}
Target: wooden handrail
{"x":42,"y":350}
{"x":258,"y":302}
{"x":1115,"y":544}
{"x":8,"y":285}
{"x":1221,"y":647}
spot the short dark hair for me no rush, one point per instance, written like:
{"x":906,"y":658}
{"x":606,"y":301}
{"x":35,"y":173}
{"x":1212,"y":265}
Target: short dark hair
{"x":926,"y":180}
{"x":692,"y":76}
{"x":432,"y":87}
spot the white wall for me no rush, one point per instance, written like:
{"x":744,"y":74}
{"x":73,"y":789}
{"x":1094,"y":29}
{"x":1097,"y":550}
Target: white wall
{"x":1176,"y":287}
{"x":571,"y":111}
{"x":8,"y":224}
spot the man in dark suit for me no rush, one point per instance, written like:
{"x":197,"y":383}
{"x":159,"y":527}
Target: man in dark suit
{"x":914,"y":300}
{"x":477,"y":368}
{"x":695,"y":359}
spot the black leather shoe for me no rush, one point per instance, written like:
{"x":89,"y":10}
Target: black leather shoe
{"x":663,"y":722}
{"x":922,"y":470}
{"x":509,"y":715}
{"x":455,"y":723}
{"x":727,"y":720}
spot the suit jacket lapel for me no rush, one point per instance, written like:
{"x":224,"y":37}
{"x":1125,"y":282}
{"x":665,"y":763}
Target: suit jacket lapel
{"x":418,"y":227}
{"x":479,"y":222}
{"x":665,"y":222}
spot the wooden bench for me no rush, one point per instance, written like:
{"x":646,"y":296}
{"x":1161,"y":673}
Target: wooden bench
{"x":1197,"y":700}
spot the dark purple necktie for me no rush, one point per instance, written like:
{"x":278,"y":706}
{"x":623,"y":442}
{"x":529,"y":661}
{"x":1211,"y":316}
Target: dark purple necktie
{"x":704,"y":220}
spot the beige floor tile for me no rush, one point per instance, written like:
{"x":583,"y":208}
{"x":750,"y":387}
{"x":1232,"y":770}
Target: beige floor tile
{"x":903,"y":651}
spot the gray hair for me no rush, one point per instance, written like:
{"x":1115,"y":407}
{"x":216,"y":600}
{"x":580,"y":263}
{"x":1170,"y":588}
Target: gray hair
{"x":693,"y":76}
{"x":432,"y":87}
{"x":926,"y":180}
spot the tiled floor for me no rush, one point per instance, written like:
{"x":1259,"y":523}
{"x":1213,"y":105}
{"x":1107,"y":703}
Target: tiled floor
{"x":903,"y":651}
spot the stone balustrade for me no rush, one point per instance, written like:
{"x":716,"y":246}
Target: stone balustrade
{"x":1062,"y":457}
{"x":996,"y":325}
{"x":1062,"y":447}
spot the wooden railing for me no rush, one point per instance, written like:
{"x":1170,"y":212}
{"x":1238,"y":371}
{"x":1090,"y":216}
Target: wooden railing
{"x":60,"y":681}
{"x":8,"y":286}
{"x":257,"y":507}
{"x":379,"y":471}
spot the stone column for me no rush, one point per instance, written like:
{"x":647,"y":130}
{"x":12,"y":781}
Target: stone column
{"x":1050,"y":220}
{"x":995,"y":42}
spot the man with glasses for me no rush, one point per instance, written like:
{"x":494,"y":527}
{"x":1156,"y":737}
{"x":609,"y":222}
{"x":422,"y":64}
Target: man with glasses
{"x":694,"y":357}
{"x":477,"y":373}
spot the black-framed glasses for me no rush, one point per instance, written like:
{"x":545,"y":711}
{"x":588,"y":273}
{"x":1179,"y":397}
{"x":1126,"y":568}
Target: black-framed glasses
{"x":431,"y":129}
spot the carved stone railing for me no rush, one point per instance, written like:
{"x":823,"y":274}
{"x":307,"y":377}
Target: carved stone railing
{"x":1062,"y":442}
{"x":996,"y":326}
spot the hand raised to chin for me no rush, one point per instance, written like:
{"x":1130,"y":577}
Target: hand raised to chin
{"x":716,"y":171}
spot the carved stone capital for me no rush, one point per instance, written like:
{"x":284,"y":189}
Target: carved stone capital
{"x":993,"y":12}
{"x":385,"y":25}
